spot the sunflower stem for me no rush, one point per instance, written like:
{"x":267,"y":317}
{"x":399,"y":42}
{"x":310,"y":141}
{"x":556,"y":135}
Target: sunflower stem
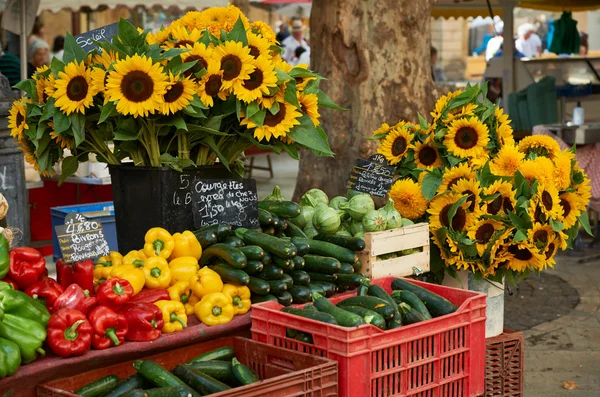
{"x":184,"y":150}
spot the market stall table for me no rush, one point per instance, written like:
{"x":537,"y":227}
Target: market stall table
{"x":53,"y":367}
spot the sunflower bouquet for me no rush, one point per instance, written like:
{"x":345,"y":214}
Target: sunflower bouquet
{"x":199,"y":91}
{"x":494,"y":207}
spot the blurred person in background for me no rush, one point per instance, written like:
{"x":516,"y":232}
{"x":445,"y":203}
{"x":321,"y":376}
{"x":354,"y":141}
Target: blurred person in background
{"x":495,"y":43}
{"x":38,"y":32}
{"x":528,"y":43}
{"x":38,"y":56}
{"x":58,"y":47}
{"x":294,"y":41}
{"x":583,"y":44}
{"x":283,"y":32}
{"x":10,"y":66}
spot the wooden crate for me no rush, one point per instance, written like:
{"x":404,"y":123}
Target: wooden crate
{"x":388,"y":241}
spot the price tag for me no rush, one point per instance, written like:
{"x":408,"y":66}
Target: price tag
{"x":81,"y":239}
{"x":105,"y":33}
{"x":372,"y":176}
{"x":232,"y":201}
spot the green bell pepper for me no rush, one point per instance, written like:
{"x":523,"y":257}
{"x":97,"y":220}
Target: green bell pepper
{"x":4,"y":260}
{"x":4,"y":285}
{"x":28,"y":335}
{"x":22,"y":305}
{"x":10,"y":358}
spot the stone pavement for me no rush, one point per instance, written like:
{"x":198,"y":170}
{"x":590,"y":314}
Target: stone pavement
{"x":560,"y":315}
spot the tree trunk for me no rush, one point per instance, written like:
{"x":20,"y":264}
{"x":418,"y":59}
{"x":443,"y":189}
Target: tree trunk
{"x":243,"y":5}
{"x":376,"y":57}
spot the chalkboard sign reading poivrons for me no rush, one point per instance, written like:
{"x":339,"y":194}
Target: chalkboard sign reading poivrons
{"x":81,"y":239}
{"x":231,"y":201}
{"x":372,"y":176}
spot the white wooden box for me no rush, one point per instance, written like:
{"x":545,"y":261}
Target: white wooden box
{"x":388,"y":241}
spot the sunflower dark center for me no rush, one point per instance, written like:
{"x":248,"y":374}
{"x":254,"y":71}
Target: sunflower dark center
{"x":183,"y":43}
{"x":538,"y":215}
{"x":77,"y":88}
{"x":495,"y":206}
{"x":399,"y":146}
{"x":466,"y":138}
{"x":563,"y":203}
{"x":508,"y":205}
{"x":484,"y":233}
{"x":299,"y":80}
{"x":459,"y":220}
{"x":256,"y":79}
{"x":254,"y":51}
{"x":201,"y":64}
{"x":20,"y":119}
{"x":549,"y":250}
{"x":522,"y":254}
{"x":547,"y":200}
{"x":470,"y":199}
{"x":453,"y":182}
{"x":303,"y":108}
{"x":137,"y":86}
{"x":427,"y":156}
{"x":174,"y":92}
{"x":541,"y":235}
{"x":231,"y":65}
{"x":213,"y":85}
{"x":272,"y":120}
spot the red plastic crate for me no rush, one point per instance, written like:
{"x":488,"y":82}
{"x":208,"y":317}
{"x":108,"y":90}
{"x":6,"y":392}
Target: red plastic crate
{"x":442,"y":357}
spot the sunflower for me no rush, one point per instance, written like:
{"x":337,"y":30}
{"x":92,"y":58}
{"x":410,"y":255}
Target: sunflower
{"x":454,"y":174}
{"x":267,"y":102}
{"x":477,"y":163}
{"x":50,"y":87}
{"x":408,"y":199}
{"x":395,"y":145}
{"x":74,"y":90}
{"x":442,"y":103}
{"x":160,"y":37}
{"x":211,"y":86}
{"x":99,"y":79}
{"x":180,"y":92}
{"x":180,"y":37}
{"x":540,"y":169}
{"x":137,"y":85}
{"x":17,"y":118}
{"x":467,"y":138}
{"x":471,"y":188}
{"x":281,"y":64}
{"x":507,"y":161}
{"x":504,"y":202}
{"x":275,"y":125}
{"x":562,"y":170}
{"x":214,"y":19}
{"x":460,"y":112}
{"x":309,"y":104}
{"x":200,"y":53}
{"x":548,"y":201}
{"x":236,"y":62}
{"x":28,"y":148}
{"x":584,"y":189}
{"x":264,"y":30}
{"x":503,"y":129}
{"x":448,"y":256}
{"x":259,"y":46}
{"x":482,"y":232}
{"x":40,"y":86}
{"x":301,"y":82}
{"x":64,"y":141}
{"x":438,"y":212}
{"x":384,"y":129}
{"x":105,"y":58}
{"x":571,"y":205}
{"x":550,"y":252}
{"x":525,"y":256}
{"x":540,"y":235}
{"x":263,"y":77}
{"x":426,"y":155}
{"x":539,"y":145}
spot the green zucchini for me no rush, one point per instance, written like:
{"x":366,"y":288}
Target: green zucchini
{"x":321,"y":264}
{"x":351,"y":243}
{"x":233,"y":241}
{"x":277,"y":287}
{"x":283,"y":225}
{"x":271,"y":272}
{"x":349,"y":281}
{"x":233,"y":256}
{"x":300,"y":277}
{"x":253,"y":252}
{"x":437,"y":305}
{"x":372,"y":303}
{"x":363,"y":288}
{"x":377,"y":291}
{"x":376,"y":318}
{"x":316,"y":288}
{"x":310,"y":306}
{"x":98,"y":387}
{"x":136,"y":381}
{"x":346,"y":268}
{"x":329,"y":278}
{"x":270,"y":231}
{"x":313,"y":315}
{"x":412,"y":300}
{"x":263,"y":298}
{"x":254,"y":267}
{"x":294,"y":231}
{"x":304,"y":338}
{"x":206,"y":238}
{"x":285,"y":264}
{"x":258,"y":286}
{"x":276,"y":221}
{"x":230,"y":274}
{"x":178,"y":391}
{"x":291,"y":333}
{"x":357,"y":266}
{"x":222,"y":230}
{"x":265,"y":218}
{"x":288,"y":280}
{"x":158,"y":375}
{"x":138,"y":393}
{"x":324,"y":248}
{"x":298,"y":263}
{"x":301,"y":244}
{"x":283,"y":209}
{"x":220,"y":370}
{"x":330,"y":289}
{"x":267,"y":259}
{"x":224,"y":353}
{"x":285,"y":298}
{"x":276,"y":246}
{"x":244,"y":374}
{"x":410,"y":315}
{"x":341,"y":288}
{"x":199,"y":381}
{"x":300,"y":294}
{"x":341,"y":316}
{"x":279,"y":234}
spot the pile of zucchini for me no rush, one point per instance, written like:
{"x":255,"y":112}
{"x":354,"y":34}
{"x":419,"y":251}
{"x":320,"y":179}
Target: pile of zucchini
{"x":211,"y":372}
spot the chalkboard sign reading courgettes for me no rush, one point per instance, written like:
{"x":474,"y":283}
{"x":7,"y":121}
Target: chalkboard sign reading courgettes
{"x":232,"y":201}
{"x":81,"y":239}
{"x":372,"y":176}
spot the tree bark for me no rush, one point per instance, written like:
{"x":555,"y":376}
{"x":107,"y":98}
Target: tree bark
{"x":243,"y":5}
{"x":376,"y":57}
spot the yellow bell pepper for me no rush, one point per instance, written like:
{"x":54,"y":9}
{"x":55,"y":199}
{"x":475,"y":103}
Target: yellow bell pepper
{"x":206,"y":281}
{"x":159,"y":242}
{"x":135,"y":258}
{"x":131,"y":273}
{"x":157,"y":272}
{"x":181,"y":292}
{"x":214,"y":309}
{"x":173,"y":315}
{"x":183,"y":268}
{"x":105,"y":265}
{"x":186,"y":244}
{"x":240,"y":298}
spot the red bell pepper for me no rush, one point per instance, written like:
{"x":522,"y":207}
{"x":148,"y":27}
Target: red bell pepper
{"x":145,"y":321}
{"x":26,"y":266}
{"x":46,"y":290}
{"x":151,"y":296}
{"x":114,"y":293}
{"x":80,"y":273}
{"x":110,"y":328}
{"x":69,"y":333}
{"x":75,"y":298}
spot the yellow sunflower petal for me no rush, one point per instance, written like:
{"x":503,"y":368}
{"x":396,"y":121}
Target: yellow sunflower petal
{"x":74,"y":89}
{"x":260,"y":80}
{"x":467,"y":138}
{"x":396,"y":145}
{"x":507,"y":161}
{"x":236,"y":62}
{"x":408,"y":199}
{"x":540,"y":145}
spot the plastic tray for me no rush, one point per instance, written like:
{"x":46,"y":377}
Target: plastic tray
{"x":504,"y":359}
{"x":284,"y":373}
{"x":442,"y":357}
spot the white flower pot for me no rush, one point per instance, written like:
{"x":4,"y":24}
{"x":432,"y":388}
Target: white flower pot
{"x":494,"y":311}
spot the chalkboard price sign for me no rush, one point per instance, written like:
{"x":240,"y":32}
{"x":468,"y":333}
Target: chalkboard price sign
{"x":81,"y":239}
{"x":105,"y":33}
{"x":232,"y":201}
{"x":372,"y":176}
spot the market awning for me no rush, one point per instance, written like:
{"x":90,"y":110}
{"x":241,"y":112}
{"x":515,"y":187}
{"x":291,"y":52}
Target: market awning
{"x":475,"y":8}
{"x":76,"y":5}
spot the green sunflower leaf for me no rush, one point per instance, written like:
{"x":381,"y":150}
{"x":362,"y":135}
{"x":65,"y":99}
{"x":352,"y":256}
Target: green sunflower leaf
{"x":127,"y":130}
{"x":510,"y":278}
{"x":27,"y":86}
{"x":584,"y":220}
{"x":484,"y":91}
{"x":487,"y":114}
{"x":302,"y":73}
{"x":177,"y":121}
{"x":56,"y":66}
{"x":291,"y":95}
{"x":238,"y":109}
{"x":48,"y":110}
{"x":312,"y":87}
{"x":431,"y":183}
{"x":453,"y":160}
{"x":34,"y":111}
{"x":325,"y":101}
{"x":520,"y":235}
{"x":78,"y":127}
{"x":282,"y":76}
{"x":69,"y":167}
{"x":128,"y":34}
{"x":73,"y":52}
{"x":108,"y":110}
{"x":577,"y":177}
{"x":519,"y":222}
{"x":210,"y":142}
{"x":252,"y":109}
{"x":61,"y":121}
{"x":308,"y":136}
{"x":176,"y":163}
{"x":454,"y":208}
{"x":556,"y":225}
{"x":238,"y":33}
{"x":171,"y":53}
{"x":292,"y":150}
{"x":275,"y":108}
{"x":258,"y":118}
